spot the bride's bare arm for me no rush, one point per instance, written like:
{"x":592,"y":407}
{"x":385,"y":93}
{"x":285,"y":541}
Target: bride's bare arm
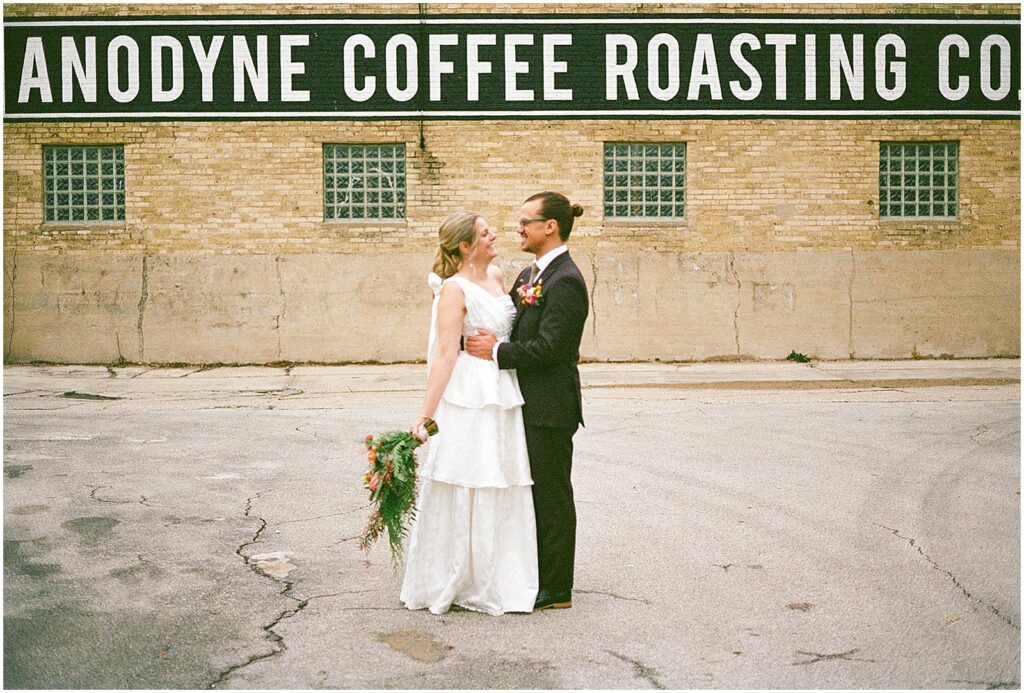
{"x":451,"y":308}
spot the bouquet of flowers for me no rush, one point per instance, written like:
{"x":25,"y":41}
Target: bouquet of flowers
{"x":391,"y":480}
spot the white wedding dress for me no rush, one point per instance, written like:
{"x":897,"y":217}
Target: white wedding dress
{"x":474,"y":539}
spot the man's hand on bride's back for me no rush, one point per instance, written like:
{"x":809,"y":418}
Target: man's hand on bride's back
{"x":481,"y":344}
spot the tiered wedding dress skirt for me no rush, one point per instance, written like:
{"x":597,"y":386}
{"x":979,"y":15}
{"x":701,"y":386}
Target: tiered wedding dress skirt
{"x":474,"y":540}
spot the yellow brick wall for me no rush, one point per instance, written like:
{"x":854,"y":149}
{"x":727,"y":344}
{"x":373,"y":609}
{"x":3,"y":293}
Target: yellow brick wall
{"x":759,"y":185}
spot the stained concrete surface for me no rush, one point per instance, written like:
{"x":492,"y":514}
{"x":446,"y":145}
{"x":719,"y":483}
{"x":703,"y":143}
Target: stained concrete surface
{"x":843,"y":524}
{"x":82,"y":304}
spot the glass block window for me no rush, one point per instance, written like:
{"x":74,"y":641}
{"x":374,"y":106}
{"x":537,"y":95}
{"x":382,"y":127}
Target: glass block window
{"x":917,"y":179}
{"x":83,"y":183}
{"x":644,"y":180}
{"x":364,"y":181}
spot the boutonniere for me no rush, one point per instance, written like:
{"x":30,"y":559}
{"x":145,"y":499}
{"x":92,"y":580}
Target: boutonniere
{"x":531,"y":294}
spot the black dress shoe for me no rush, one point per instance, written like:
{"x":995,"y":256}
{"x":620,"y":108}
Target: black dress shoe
{"x":553,"y":600}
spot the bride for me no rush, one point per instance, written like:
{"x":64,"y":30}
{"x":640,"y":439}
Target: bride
{"x":474,"y":540}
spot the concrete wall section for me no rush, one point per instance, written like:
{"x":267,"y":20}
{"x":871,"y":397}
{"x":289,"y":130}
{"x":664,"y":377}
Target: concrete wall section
{"x":72,"y":307}
{"x":354,"y":308}
{"x":930,"y":303}
{"x":794,"y":302}
{"x":202,"y":307}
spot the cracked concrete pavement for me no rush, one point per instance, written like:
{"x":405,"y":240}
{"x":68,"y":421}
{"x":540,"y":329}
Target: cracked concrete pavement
{"x":764,"y":525}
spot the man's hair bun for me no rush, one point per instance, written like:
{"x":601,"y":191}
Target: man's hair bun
{"x":557,"y":206}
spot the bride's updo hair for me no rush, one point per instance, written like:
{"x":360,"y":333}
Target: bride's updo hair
{"x":557,"y":206}
{"x":457,"y":228}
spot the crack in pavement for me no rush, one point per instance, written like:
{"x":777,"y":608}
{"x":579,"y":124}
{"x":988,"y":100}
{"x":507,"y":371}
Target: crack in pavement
{"x":641,"y":670}
{"x":320,"y":517}
{"x":936,"y":566}
{"x":616,"y":596}
{"x":990,"y":685}
{"x":317,"y":436}
{"x":276,"y":641}
{"x":845,"y":656}
{"x":95,"y":489}
{"x":981,"y":429}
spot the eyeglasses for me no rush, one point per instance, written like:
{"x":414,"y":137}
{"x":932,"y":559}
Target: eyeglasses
{"x":524,"y":222}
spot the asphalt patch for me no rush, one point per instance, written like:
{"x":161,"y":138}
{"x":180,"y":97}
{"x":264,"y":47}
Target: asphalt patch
{"x":85,"y":395}
{"x":422,"y":647}
{"x":91,"y":529}
{"x":57,"y":647}
{"x":13,"y":471}
{"x":29,"y":509}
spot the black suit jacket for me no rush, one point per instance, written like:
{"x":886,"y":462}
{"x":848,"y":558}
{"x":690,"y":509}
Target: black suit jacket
{"x":545,"y":345}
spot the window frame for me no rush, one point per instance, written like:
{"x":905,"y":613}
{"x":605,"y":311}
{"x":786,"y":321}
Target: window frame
{"x":678,"y":195}
{"x":400,"y":200}
{"x":955,"y":189}
{"x":120,"y":207}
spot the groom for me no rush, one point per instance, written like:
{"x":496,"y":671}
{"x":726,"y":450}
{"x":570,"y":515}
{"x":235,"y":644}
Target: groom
{"x":551,"y":307}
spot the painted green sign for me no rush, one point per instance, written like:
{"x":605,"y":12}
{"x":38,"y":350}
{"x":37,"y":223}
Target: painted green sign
{"x":512,"y":66}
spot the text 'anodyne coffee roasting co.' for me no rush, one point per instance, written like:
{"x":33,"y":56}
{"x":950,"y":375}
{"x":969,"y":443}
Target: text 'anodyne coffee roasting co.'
{"x":537,"y":66}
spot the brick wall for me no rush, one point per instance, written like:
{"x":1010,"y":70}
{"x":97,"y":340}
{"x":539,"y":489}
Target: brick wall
{"x":764,"y":185}
{"x":199,"y":191}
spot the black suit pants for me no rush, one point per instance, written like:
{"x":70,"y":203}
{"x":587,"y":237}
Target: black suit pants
{"x":550,"y":450}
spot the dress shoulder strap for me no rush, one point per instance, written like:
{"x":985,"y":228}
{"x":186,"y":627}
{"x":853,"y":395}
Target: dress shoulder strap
{"x":461,"y":282}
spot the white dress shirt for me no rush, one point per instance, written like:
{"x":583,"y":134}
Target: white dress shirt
{"x":542,"y":264}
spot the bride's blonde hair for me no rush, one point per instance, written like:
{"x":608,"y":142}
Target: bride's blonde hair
{"x":459,"y":227}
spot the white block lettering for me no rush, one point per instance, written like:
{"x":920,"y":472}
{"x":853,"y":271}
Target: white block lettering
{"x":554,"y":67}
{"x":72,"y":69}
{"x":842,"y":66}
{"x":671,"y":45}
{"x":736,"y":53}
{"x":290,"y":68}
{"x":963,"y":50}
{"x":157,"y":44}
{"x":206,"y":61}
{"x":412,"y":70}
{"x":515,"y":67}
{"x":897,"y":68}
{"x":244,"y":66}
{"x":474,"y":65}
{"x":439,"y":67}
{"x":114,"y":69}
{"x":704,"y":72}
{"x":614,"y":70}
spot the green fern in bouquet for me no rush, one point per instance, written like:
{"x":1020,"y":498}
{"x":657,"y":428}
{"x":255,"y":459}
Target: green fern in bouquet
{"x":391,"y":480}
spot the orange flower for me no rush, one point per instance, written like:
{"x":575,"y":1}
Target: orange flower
{"x":372,"y":455}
